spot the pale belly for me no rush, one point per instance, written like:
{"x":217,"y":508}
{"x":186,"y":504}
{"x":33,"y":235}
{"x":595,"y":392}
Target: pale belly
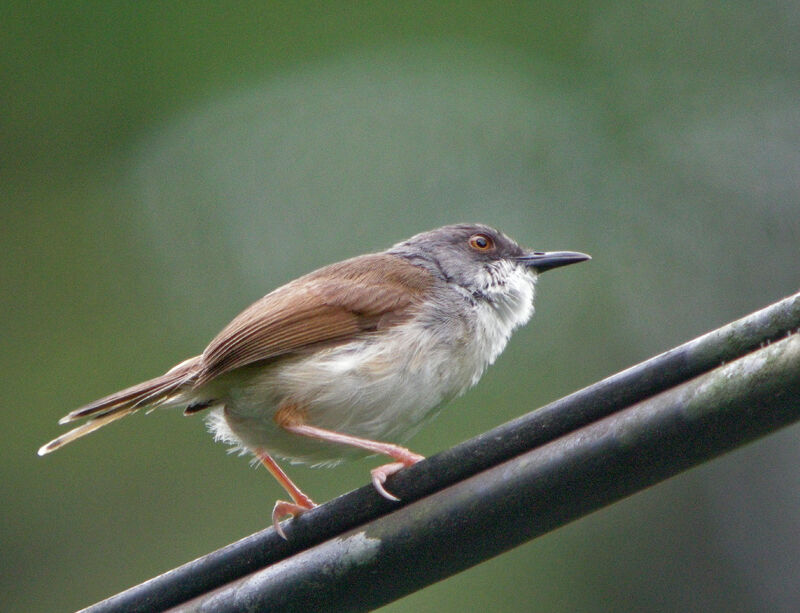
{"x":380,"y":391}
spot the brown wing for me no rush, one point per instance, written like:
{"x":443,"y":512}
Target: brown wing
{"x":334,"y":303}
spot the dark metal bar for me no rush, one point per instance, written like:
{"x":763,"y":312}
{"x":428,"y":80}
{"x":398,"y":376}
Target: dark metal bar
{"x":529,"y":495}
{"x":469,"y":458}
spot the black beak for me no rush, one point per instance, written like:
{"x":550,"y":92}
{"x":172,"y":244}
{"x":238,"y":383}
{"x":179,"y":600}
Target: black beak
{"x":545,"y":260}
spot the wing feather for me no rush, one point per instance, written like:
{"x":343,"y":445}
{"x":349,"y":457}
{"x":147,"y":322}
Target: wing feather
{"x":333,"y":304}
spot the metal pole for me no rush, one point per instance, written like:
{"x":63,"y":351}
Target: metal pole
{"x":529,"y":495}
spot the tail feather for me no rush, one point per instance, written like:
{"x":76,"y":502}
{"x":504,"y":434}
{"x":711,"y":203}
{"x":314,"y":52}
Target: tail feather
{"x":139,"y":395}
{"x":116,"y":406}
{"x":84,"y":429}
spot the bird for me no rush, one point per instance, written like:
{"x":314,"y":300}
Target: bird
{"x":350,"y":359}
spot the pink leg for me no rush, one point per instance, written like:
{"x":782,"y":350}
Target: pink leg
{"x":403,"y":456}
{"x":282,"y":508}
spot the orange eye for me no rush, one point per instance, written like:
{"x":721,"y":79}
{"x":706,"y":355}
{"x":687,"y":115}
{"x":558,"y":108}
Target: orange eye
{"x":481,"y":242}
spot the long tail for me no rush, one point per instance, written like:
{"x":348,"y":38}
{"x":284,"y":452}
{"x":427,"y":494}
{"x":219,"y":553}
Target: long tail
{"x":116,"y":406}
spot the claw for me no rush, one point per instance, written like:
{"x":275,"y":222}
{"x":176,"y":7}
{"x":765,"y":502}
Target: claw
{"x":380,"y":473}
{"x":282,"y":509}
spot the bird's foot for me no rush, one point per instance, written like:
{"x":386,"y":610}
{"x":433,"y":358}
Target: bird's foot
{"x":380,"y":474}
{"x":283,"y":509}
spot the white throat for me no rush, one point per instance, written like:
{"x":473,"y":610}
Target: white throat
{"x":508,"y":304}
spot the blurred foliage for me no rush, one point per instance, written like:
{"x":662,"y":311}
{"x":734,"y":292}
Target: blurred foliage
{"x":164,"y":164}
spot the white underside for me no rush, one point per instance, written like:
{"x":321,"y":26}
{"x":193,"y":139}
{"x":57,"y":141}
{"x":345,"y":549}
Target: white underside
{"x":381,"y":390}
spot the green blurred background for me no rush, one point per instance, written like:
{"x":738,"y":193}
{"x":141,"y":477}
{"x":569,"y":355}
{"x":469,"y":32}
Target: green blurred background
{"x":165,"y":164}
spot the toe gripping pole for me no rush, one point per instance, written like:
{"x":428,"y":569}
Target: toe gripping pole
{"x":509,"y":485}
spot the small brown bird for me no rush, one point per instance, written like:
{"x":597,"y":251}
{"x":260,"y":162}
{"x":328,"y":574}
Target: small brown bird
{"x":350,"y":355}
